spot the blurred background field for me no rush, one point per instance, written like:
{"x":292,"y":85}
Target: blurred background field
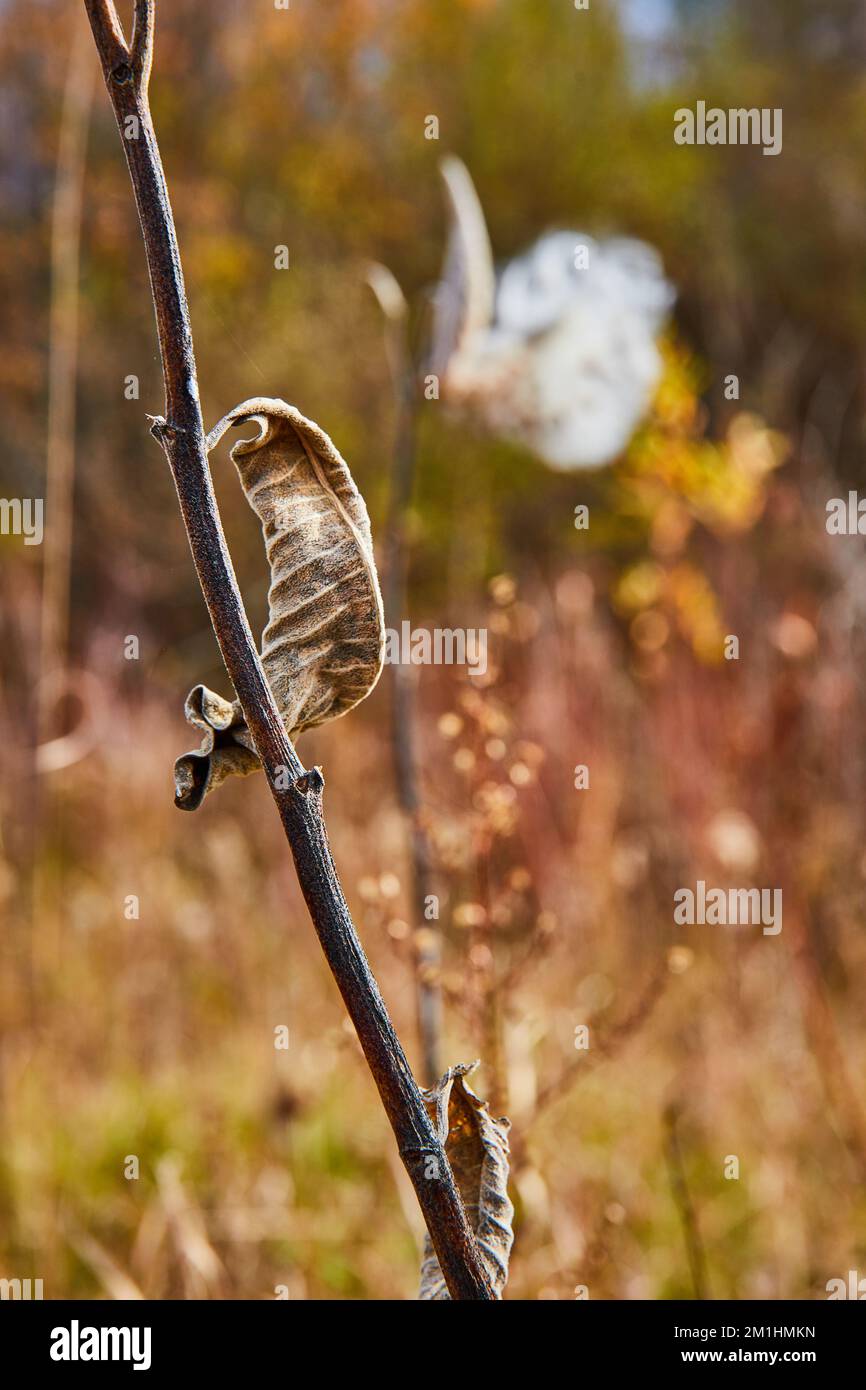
{"x":154,"y":1036}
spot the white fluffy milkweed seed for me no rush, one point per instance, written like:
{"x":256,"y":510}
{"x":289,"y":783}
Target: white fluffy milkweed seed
{"x":559,"y":350}
{"x":323,"y":646}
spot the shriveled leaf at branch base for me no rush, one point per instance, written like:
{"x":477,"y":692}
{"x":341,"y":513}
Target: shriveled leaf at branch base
{"x":323,"y":647}
{"x":477,"y":1149}
{"x":226,"y":749}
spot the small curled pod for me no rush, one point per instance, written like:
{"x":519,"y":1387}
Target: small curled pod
{"x":323,"y":646}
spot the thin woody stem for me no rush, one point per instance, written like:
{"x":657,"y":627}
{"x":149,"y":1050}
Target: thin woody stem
{"x":428,"y":993}
{"x":126,"y":70}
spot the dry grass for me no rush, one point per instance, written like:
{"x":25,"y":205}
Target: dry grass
{"x":259,"y":1167}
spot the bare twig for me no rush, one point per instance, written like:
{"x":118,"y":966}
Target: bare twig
{"x":404,"y":381}
{"x":126,"y":70}
{"x":612,"y":1038}
{"x":428,"y":952}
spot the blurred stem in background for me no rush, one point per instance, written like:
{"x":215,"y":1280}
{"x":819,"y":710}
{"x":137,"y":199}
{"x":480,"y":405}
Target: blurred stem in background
{"x":52,"y":748}
{"x":426,"y":938}
{"x":63,"y":369}
{"x":684,"y":1203}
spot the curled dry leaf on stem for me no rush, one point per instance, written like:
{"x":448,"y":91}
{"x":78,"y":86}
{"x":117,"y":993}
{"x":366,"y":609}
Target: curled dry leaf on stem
{"x":323,"y":647}
{"x":477,"y":1148}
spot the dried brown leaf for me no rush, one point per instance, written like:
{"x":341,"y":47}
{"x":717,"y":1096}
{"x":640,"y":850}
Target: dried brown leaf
{"x":477,"y":1149}
{"x":323,"y":646}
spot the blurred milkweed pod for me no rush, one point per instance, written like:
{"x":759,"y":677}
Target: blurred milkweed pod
{"x":323,"y":646}
{"x":558,"y":350}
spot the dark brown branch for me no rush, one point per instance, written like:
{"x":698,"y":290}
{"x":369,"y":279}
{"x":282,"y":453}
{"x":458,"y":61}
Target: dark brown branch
{"x":141,"y":47}
{"x":181,"y":434}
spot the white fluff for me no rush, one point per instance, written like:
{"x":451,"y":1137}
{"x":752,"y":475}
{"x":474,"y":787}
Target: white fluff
{"x":567,"y":358}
